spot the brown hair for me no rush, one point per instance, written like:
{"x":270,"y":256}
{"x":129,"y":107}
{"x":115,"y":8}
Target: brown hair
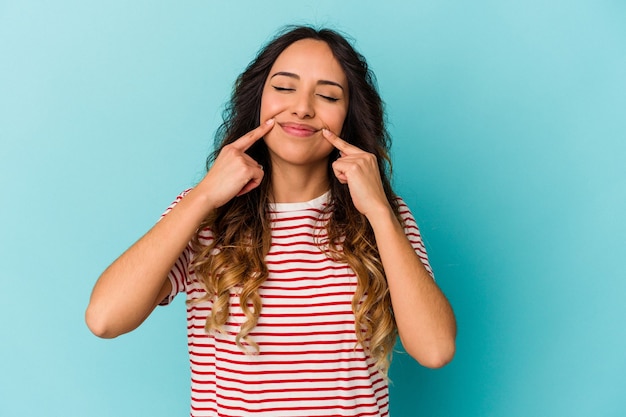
{"x":241,"y":228}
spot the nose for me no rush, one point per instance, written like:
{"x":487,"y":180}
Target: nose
{"x":303,"y":105}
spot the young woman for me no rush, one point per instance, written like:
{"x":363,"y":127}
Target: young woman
{"x":299,"y":263}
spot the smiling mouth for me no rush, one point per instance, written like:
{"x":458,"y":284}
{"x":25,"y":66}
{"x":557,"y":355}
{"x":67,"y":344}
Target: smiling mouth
{"x":299,"y":130}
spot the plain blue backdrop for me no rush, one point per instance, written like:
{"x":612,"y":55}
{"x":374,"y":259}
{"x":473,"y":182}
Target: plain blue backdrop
{"x":509,"y":128}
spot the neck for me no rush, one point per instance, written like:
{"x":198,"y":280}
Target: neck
{"x":294,"y":184}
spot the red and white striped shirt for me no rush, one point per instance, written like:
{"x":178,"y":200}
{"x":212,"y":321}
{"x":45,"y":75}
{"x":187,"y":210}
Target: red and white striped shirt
{"x":309,"y":362}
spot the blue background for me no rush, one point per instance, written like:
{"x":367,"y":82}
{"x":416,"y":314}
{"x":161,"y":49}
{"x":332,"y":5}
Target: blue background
{"x":509,"y":127}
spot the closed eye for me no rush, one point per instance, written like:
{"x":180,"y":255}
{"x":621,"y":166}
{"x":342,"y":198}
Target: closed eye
{"x":331,"y":99}
{"x":283,"y":88}
{"x":287,"y":89}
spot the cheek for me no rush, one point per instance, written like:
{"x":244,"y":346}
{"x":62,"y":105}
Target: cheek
{"x":270,"y":107}
{"x":334,"y":120}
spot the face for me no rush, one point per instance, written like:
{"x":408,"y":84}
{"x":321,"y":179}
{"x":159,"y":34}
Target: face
{"x":306,"y":90}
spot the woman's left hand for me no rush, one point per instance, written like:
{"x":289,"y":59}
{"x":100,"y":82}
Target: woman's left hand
{"x":359,"y":170}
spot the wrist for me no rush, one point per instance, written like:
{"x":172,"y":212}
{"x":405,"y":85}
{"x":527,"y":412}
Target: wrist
{"x":199,"y":204}
{"x":382,"y":216}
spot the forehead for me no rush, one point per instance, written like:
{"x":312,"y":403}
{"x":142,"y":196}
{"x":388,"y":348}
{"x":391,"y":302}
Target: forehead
{"x":310,"y":58}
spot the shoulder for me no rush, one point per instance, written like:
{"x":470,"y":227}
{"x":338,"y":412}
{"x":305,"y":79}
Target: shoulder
{"x":403,"y":210}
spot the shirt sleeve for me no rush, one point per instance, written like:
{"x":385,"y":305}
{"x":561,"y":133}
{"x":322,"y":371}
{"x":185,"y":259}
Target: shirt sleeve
{"x":412,"y":232}
{"x":179,"y":274}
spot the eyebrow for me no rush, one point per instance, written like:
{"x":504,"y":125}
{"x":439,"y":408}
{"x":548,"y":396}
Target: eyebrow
{"x":297,"y":77}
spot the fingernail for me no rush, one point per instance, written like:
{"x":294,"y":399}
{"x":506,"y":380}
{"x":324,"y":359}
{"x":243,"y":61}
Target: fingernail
{"x":325,"y":132}
{"x":269,"y":121}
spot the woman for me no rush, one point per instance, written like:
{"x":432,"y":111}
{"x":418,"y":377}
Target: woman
{"x":299,"y":263}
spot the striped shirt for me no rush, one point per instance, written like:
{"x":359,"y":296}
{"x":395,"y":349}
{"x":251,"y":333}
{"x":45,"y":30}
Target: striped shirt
{"x":309,"y":363}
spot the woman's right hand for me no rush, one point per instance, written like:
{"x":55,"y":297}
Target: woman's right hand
{"x":234,"y":172}
{"x":132,"y":286}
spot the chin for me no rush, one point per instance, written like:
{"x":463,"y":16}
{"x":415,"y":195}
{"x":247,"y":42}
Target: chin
{"x":298,"y":151}
{"x":298,"y":159}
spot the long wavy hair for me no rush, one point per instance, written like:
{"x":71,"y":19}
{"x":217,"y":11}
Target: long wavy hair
{"x":235,"y":259}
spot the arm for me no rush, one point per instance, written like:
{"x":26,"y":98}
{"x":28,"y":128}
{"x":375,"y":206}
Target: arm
{"x":132,"y":286}
{"x":425,"y":320}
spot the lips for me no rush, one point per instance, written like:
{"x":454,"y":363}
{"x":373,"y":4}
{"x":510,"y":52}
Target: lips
{"x":298,"y":129}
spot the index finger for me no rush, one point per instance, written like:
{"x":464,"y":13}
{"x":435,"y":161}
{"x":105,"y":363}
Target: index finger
{"x":339,"y":143}
{"x":247,"y":140}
